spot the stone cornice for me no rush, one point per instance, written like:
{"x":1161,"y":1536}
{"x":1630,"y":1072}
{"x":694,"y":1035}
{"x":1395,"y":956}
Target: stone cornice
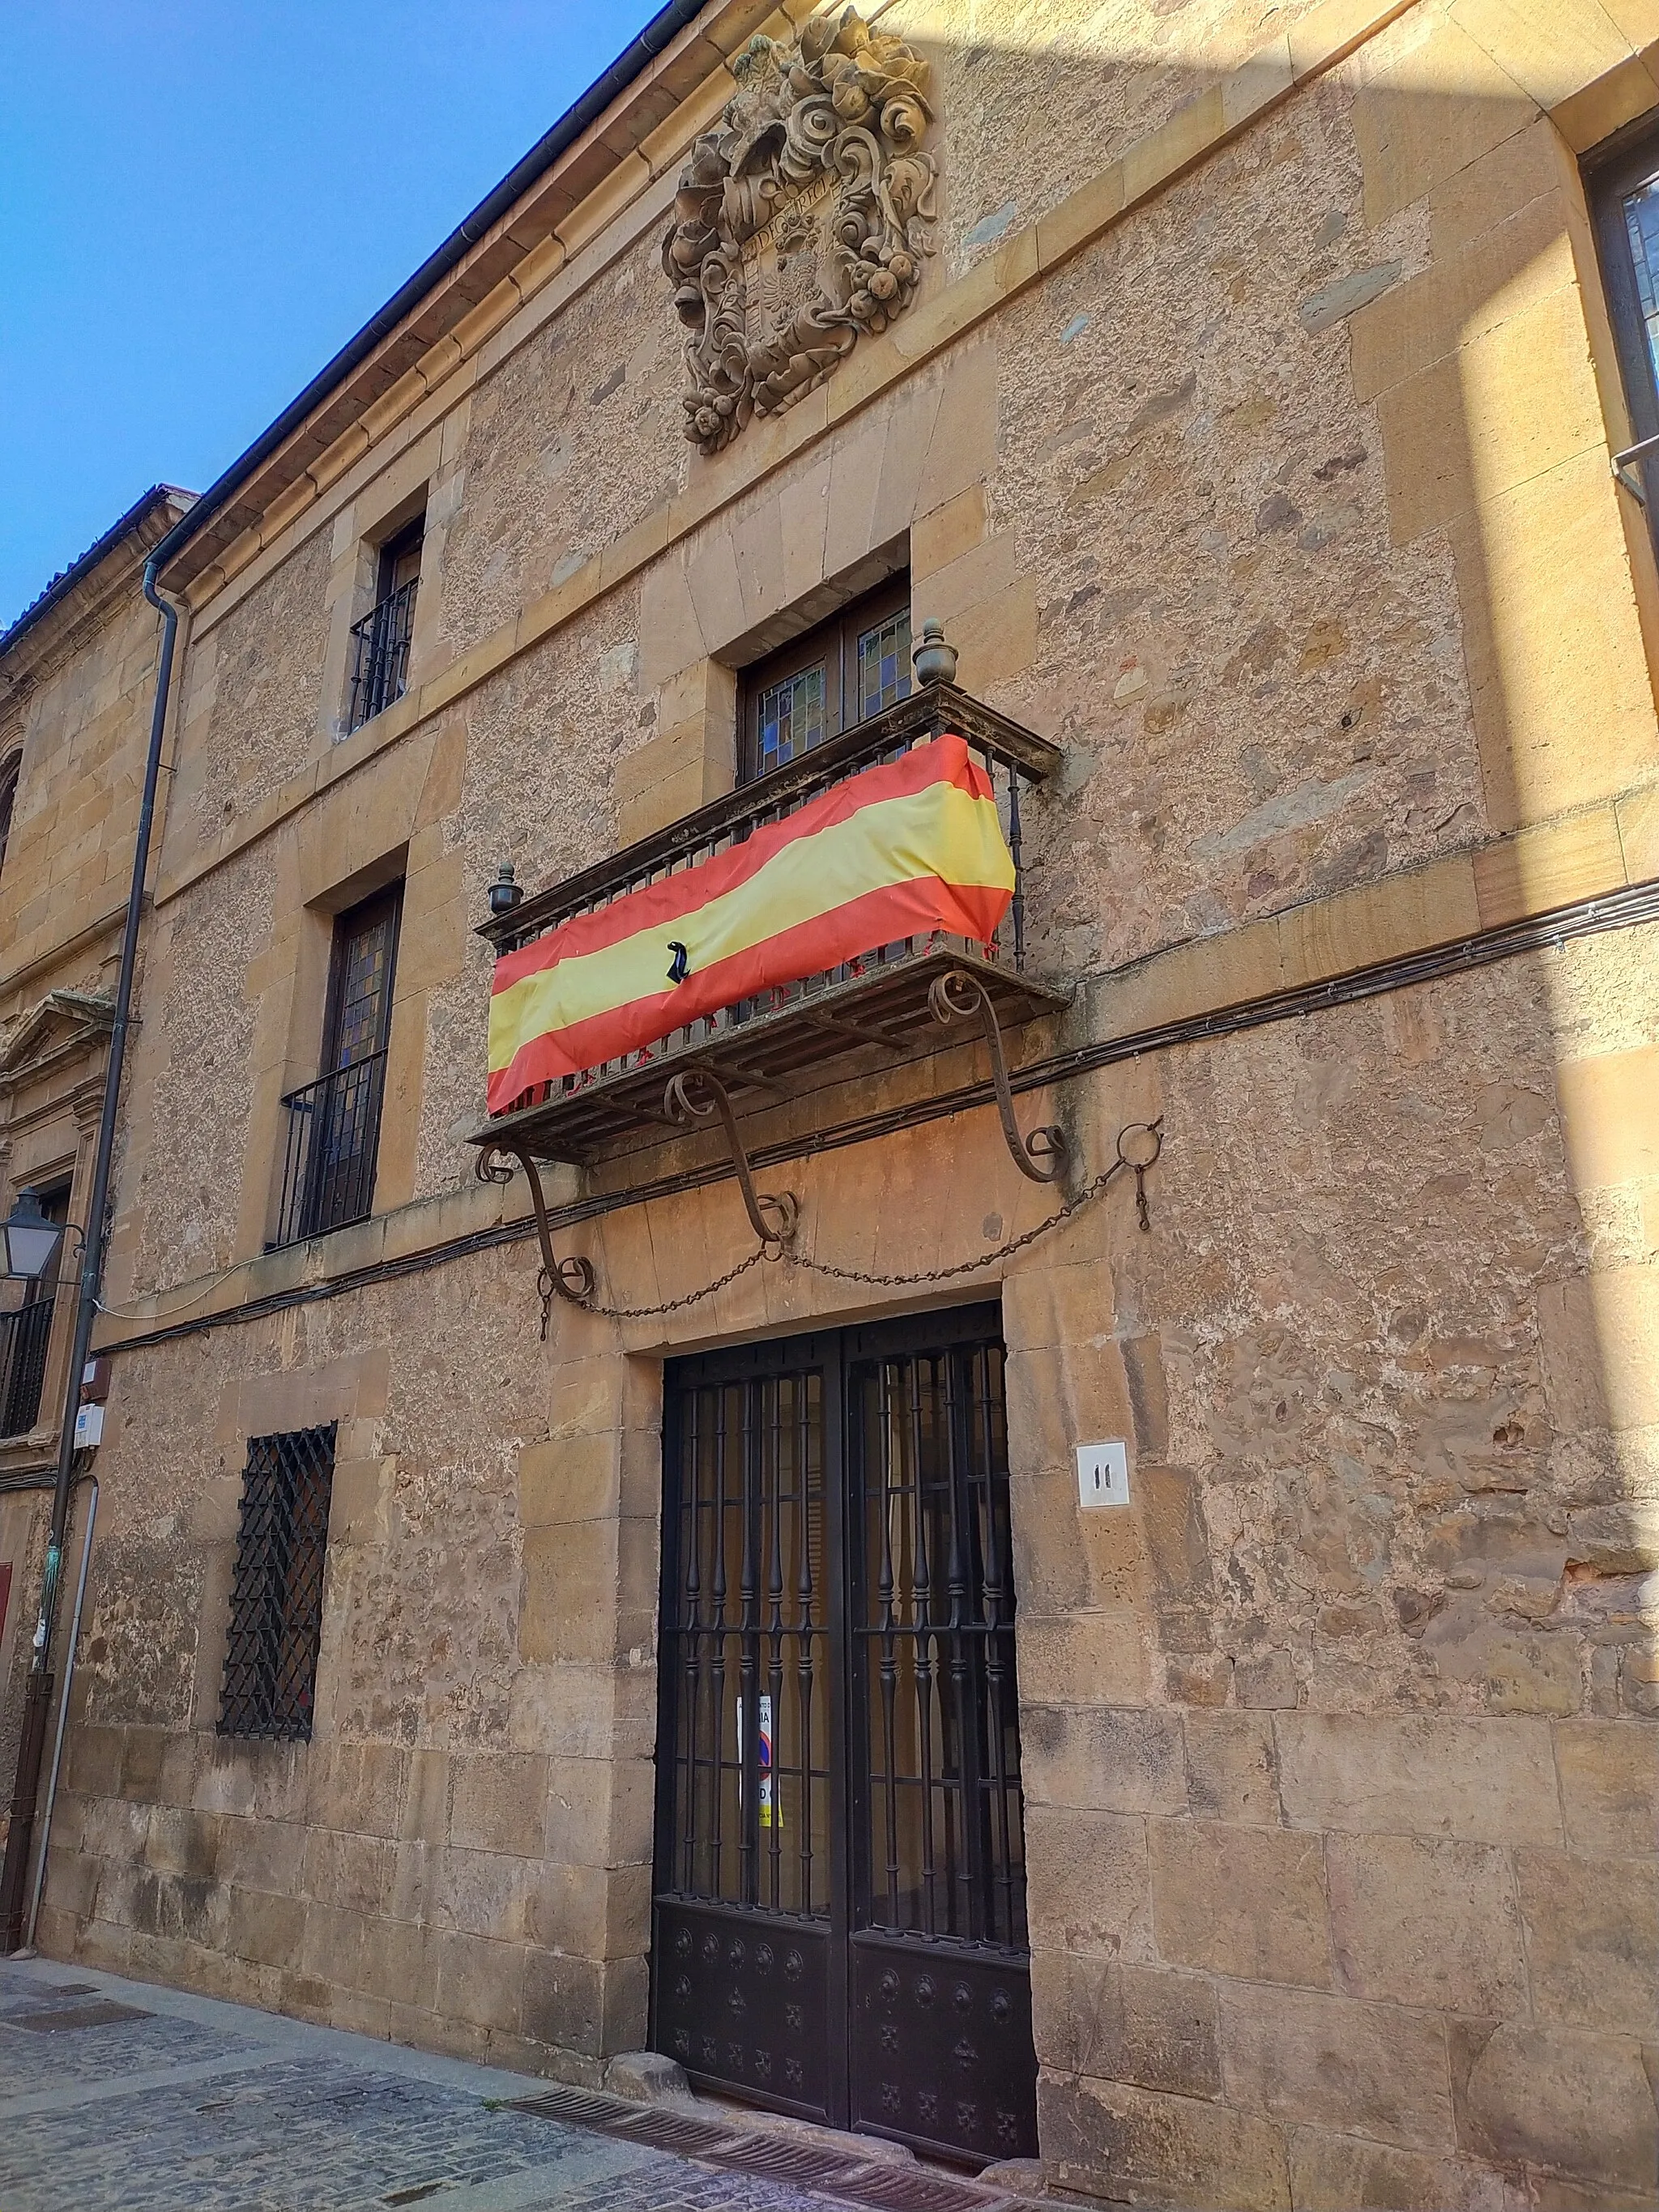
{"x":383,"y":394}
{"x":83,"y":1103}
{"x":58,"y":1036}
{"x":106,"y":925}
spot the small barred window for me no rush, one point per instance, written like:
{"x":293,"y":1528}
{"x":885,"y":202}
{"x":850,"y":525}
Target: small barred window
{"x":276,"y":1597}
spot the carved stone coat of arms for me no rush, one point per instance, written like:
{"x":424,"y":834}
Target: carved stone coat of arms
{"x":801,"y":221}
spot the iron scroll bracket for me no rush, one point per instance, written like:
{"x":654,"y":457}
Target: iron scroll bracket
{"x":571,"y":1278}
{"x":695,"y":1095}
{"x":1042,"y":1155}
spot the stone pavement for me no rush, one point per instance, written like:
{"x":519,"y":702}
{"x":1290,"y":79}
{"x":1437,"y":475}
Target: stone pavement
{"x":116,"y":2096}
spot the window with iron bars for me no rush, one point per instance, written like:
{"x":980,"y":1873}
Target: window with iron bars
{"x":276,"y":1595}
{"x":25,"y":1332}
{"x":9,"y":770}
{"x":334,"y":1123}
{"x":380,"y":641}
{"x":1622,"y":175}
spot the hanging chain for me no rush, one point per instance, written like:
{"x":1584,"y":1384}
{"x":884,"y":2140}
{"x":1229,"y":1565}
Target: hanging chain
{"x":669,"y":1305}
{"x":774,"y":1249}
{"x":1138,"y":1169}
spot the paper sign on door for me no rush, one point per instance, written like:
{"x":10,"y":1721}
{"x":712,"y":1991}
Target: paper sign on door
{"x":768,"y":1817}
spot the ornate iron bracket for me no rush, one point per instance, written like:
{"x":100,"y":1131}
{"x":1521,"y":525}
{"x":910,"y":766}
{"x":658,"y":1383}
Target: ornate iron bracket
{"x":1042,"y":1154}
{"x":697,"y":1096}
{"x":572,"y":1277}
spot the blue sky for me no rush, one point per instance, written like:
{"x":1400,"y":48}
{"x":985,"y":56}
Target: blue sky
{"x":204,"y":198}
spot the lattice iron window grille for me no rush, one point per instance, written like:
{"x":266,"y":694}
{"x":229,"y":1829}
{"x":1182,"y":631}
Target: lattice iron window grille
{"x":276,"y":1597}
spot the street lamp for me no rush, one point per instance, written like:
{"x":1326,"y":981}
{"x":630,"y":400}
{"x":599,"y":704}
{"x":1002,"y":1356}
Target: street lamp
{"x":27,"y":1240}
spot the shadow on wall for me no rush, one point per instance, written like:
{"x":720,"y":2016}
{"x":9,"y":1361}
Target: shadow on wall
{"x":1448,"y":275}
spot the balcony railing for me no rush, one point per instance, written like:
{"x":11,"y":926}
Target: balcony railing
{"x":24,"y":1335}
{"x":756,"y":1044}
{"x":379,"y":662}
{"x":333,"y":1136}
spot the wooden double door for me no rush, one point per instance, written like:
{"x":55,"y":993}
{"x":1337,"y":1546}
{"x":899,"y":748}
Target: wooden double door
{"x":839,"y":1912}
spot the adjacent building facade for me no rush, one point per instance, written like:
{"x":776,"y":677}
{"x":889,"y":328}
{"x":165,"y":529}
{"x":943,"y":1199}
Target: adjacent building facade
{"x":1110,"y":1618}
{"x":77,"y":676}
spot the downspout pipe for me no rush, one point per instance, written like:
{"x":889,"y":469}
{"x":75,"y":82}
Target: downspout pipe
{"x":91,"y":1484}
{"x":37,"y":1700}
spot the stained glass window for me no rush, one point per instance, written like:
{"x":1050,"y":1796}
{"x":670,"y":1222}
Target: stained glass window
{"x":1641,"y":227}
{"x":791,"y":717}
{"x":884,"y":664}
{"x":364,"y":942}
{"x":826,"y":679}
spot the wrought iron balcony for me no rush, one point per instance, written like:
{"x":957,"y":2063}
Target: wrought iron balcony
{"x":889,"y":1000}
{"x":379,"y":648}
{"x":24,"y":1336}
{"x":333,"y":1137}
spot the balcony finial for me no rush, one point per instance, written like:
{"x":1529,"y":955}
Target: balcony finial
{"x":505,"y":892}
{"x":935,"y":661}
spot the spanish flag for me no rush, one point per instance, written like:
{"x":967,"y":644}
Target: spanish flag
{"x":900,"y":850}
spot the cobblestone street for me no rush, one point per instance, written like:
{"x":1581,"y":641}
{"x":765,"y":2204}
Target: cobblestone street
{"x":117,"y":2096}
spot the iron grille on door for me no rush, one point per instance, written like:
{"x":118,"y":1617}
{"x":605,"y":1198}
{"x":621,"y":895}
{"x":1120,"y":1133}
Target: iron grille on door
{"x":840,"y":1914}
{"x":751,"y":1549}
{"x":277,"y":1597}
{"x":934,"y":1652}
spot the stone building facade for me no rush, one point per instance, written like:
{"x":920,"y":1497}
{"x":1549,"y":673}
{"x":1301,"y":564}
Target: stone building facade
{"x":1238,"y":388}
{"x":77,"y":677}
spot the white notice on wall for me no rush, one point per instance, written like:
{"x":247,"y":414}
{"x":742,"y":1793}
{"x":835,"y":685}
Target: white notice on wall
{"x":1103,"y":1473}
